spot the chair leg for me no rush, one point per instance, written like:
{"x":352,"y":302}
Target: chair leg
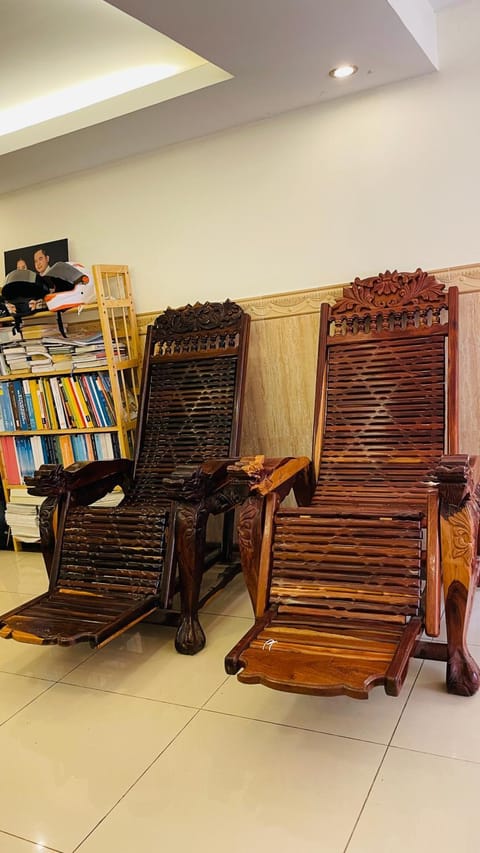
{"x":190,"y":533}
{"x":459,"y":562}
{"x":463,"y":673}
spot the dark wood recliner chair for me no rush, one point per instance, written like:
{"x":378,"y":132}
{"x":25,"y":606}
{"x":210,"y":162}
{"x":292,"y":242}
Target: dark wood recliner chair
{"x":111,"y":567}
{"x":345,"y":584}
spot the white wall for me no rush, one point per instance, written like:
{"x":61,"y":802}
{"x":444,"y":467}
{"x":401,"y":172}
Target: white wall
{"x":316,"y":196}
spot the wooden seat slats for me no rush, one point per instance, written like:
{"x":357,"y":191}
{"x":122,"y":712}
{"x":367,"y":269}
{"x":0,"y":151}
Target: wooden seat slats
{"x":111,"y":567}
{"x":347,"y":583}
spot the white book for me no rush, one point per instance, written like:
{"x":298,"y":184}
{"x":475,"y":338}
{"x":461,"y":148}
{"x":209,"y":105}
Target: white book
{"x":37,"y":450}
{"x":57,"y":396}
{"x":21,"y":496}
{"x":107,"y":445}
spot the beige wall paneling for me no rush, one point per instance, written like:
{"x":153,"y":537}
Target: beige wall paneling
{"x":280,"y":388}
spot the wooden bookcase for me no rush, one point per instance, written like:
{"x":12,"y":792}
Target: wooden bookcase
{"x":104,"y":404}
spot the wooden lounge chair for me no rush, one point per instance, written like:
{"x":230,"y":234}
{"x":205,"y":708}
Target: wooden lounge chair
{"x":345,"y":585}
{"x":111,"y":567}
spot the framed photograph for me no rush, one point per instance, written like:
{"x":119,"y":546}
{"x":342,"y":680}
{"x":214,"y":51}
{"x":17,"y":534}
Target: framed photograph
{"x":38,"y":257}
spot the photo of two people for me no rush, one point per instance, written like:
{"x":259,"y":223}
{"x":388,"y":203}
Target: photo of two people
{"x":38,"y":258}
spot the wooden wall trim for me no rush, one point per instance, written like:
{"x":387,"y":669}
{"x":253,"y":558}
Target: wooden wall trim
{"x":294,"y":303}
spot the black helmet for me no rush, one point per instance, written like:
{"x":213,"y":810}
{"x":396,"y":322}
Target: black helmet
{"x":23,"y":294}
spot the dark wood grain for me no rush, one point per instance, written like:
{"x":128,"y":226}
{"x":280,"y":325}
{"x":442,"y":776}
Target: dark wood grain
{"x":109,"y":568}
{"x":348,"y":582}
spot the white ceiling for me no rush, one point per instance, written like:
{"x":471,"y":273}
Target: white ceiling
{"x":230,"y":62}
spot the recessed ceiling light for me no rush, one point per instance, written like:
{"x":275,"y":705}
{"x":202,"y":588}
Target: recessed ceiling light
{"x":343,"y":71}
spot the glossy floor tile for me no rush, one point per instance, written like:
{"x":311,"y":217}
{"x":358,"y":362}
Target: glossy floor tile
{"x":232,"y":601}
{"x":22,"y":572}
{"x":136,"y":748}
{"x":72,"y":754}
{"x":420,"y":803}
{"x":437,"y":722}
{"x":245,"y":786}
{"x":16,"y":692}
{"x":50,"y":662}
{"x":11,"y":844}
{"x":373,"y":719}
{"x":143,"y":662}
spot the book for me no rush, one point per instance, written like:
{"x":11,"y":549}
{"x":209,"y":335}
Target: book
{"x":43,"y":407}
{"x":88,"y":382}
{"x":37,"y":450}
{"x":6,"y":407}
{"x":21,"y":404}
{"x":51,"y":407}
{"x":13,"y":405}
{"x":66,"y":405}
{"x":27,"y":392}
{"x":35,"y":403}
{"x":66,"y":450}
{"x":57,"y":396}
{"x":26,"y":463}
{"x":66,"y":384}
{"x":20,"y":495}
{"x":81,"y":400}
{"x":10,"y":458}
{"x":4,"y":366}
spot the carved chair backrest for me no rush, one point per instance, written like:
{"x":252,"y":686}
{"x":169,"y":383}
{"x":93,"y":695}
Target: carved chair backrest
{"x":387,"y":352}
{"x":191,"y":399}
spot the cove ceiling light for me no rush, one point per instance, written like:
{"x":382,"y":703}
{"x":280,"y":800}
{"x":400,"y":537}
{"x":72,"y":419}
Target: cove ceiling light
{"x":83,"y":94}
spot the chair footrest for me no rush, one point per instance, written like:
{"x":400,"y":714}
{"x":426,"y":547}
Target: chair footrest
{"x":63,"y":618}
{"x":330,"y":661}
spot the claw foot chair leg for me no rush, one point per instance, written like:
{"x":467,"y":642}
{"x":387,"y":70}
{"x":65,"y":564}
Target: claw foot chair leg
{"x":190,"y":531}
{"x":459,"y":559}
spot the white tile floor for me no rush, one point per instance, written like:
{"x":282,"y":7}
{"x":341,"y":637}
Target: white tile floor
{"x":135,"y":748}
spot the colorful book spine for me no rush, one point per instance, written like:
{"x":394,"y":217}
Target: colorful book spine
{"x":27,"y":391}
{"x":13,"y":404}
{"x":35,"y":404}
{"x":58,"y":399}
{"x":43,"y":407}
{"x":87,"y":387}
{"x":10,"y":460}
{"x":5,"y":404}
{"x":81,"y":400}
{"x":21,"y":404}
{"x":105,"y":388}
{"x":66,"y":450}
{"x":51,"y":407}
{"x":66,"y":384}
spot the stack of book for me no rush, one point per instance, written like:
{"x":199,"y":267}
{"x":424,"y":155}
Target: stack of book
{"x":22,"y":515}
{"x":28,"y":353}
{"x":15,"y":356}
{"x":22,"y":512}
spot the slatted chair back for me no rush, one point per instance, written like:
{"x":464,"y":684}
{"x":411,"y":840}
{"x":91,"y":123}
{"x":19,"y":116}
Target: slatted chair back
{"x":191,"y":401}
{"x":381,"y":421}
{"x":354,"y":560}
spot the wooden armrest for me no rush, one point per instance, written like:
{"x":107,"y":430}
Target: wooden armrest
{"x":193,"y":482}
{"x":103,"y":475}
{"x":268,"y":475}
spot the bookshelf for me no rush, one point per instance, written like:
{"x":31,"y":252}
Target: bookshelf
{"x":68,"y":400}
